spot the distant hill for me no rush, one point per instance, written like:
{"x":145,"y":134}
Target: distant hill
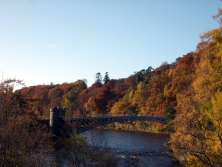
{"x":147,"y":92}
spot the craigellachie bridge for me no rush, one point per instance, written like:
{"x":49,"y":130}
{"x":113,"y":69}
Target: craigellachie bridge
{"x":86,"y":123}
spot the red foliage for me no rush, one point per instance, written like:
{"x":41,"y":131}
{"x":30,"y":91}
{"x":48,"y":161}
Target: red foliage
{"x":181,"y":78}
{"x":65,"y":87}
{"x":110,"y":84}
{"x":56,"y":102}
{"x":120,"y":89}
{"x":130,"y":81}
{"x":55,"y":93}
{"x":186,"y":62}
{"x":96,"y":85}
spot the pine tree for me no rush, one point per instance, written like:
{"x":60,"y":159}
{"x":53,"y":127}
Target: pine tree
{"x":98,"y":77}
{"x":106,"y":78}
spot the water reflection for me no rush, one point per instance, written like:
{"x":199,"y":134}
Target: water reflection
{"x":148,"y":147}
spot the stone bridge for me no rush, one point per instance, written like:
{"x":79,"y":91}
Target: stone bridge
{"x":86,"y":123}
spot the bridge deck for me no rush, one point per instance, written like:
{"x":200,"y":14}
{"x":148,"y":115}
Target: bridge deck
{"x":87,"y":123}
{"x":123,"y":118}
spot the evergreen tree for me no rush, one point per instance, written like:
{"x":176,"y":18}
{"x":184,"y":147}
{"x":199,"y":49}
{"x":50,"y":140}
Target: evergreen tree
{"x":106,"y":78}
{"x":149,"y":69}
{"x":98,"y":77}
{"x":138,"y":77}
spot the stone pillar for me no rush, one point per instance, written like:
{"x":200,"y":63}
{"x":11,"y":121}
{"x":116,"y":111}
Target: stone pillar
{"x":62,"y":112}
{"x":56,"y":116}
{"x":54,"y":120}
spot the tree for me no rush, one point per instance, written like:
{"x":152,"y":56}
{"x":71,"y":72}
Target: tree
{"x":91,"y":105}
{"x":149,"y":69}
{"x":70,"y":100}
{"x":85,"y":81}
{"x":218,"y":16}
{"x":106,"y":78}
{"x":138,"y":77}
{"x":197,"y":137}
{"x":98,"y":77}
{"x":23,"y":141}
{"x":77,"y":153}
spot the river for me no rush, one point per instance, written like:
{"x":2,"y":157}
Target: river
{"x":148,"y":148}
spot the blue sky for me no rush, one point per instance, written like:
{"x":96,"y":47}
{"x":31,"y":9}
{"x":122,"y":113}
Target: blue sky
{"x":44,"y":41}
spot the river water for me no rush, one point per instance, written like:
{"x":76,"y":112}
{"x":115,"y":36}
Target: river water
{"x":148,"y":148}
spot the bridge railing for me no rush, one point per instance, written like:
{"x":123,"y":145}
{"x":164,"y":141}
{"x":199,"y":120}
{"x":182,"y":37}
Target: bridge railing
{"x":122,"y":118}
{"x":116,"y":115}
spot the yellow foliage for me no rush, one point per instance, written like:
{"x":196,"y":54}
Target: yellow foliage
{"x":198,"y":134}
{"x":90,"y":105}
{"x":120,"y":106}
{"x":131,"y":94}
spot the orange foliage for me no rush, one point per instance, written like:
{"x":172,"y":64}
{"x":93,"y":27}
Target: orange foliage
{"x":130,"y":81}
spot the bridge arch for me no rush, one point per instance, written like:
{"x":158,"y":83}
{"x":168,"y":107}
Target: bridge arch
{"x":84,"y":124}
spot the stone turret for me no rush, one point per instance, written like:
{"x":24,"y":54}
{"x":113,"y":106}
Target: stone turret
{"x":56,"y":115}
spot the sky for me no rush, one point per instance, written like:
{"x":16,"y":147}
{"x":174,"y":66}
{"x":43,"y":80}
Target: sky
{"x":44,"y":41}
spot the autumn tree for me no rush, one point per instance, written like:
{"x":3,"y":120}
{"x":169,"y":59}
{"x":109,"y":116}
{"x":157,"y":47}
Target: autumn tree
{"x":23,"y":141}
{"x":76,"y":151}
{"x":218,"y":16}
{"x":157,"y":101}
{"x":196,"y":140}
{"x":120,"y":107}
{"x":70,"y":100}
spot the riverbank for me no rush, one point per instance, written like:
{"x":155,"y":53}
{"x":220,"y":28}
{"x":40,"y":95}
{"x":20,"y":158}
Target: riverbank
{"x":136,"y":126}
